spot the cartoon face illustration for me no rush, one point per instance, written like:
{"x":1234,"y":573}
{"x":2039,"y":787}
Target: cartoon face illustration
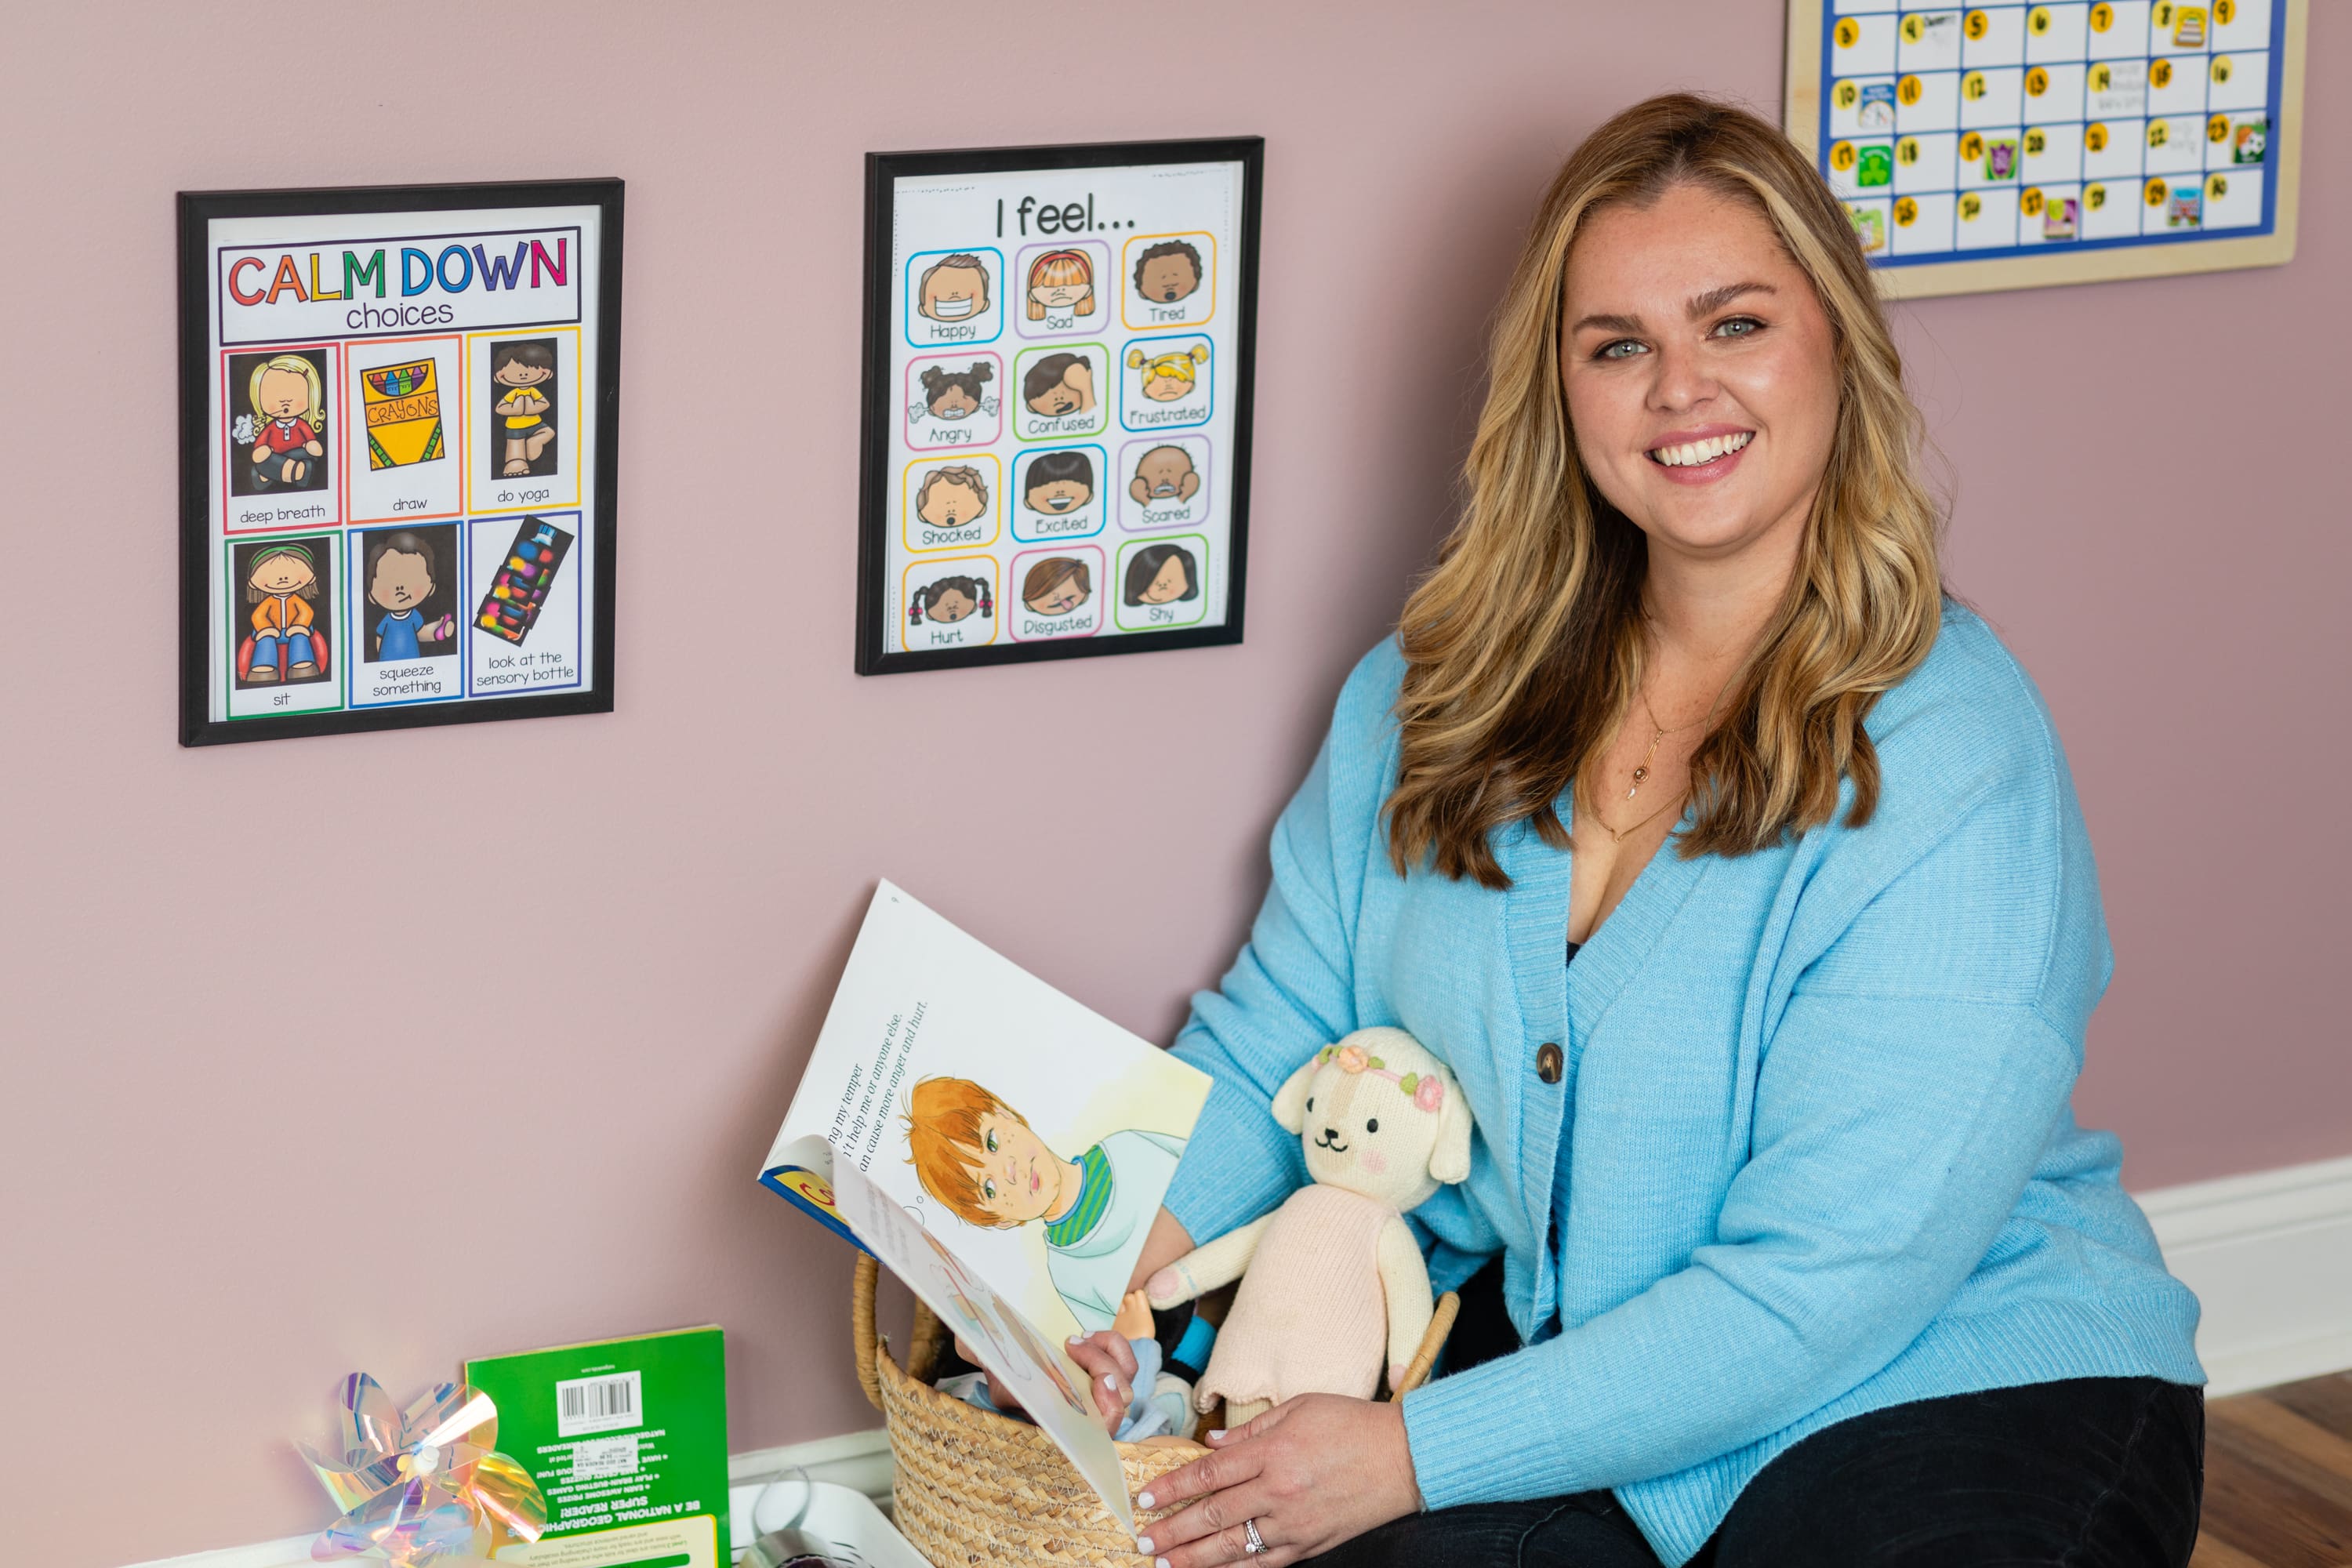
{"x":400,"y":579}
{"x":1058,"y":482}
{"x":523,"y":413}
{"x":1165,"y":474}
{"x":1059,"y":385}
{"x":281,"y":571}
{"x":1061,"y":282}
{"x":978,"y":1156}
{"x":957,"y":393}
{"x":954,"y":289}
{"x":285,"y":432}
{"x":1168,"y":377}
{"x":1162,"y":575}
{"x":281,"y":393}
{"x":288,"y":640}
{"x":949,"y":600}
{"x":524,"y":367}
{"x":1167,"y":271}
{"x":1056,"y":586}
{"x":951,"y":497}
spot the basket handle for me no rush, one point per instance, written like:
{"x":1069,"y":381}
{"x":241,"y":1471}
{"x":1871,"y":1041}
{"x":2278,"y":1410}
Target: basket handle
{"x":862,"y":1329}
{"x":1440,"y":1323}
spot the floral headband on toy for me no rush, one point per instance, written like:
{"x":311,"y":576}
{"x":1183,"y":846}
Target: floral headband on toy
{"x":1428,"y":1093}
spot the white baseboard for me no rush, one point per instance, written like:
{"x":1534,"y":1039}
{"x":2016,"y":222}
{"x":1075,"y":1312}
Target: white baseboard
{"x":2269,"y":1256}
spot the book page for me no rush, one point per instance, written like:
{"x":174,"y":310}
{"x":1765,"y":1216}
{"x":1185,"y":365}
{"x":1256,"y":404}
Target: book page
{"x":1028,"y":1136}
{"x":1038,"y":1371}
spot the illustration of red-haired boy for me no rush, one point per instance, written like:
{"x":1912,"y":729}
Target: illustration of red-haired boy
{"x":980,"y":1158}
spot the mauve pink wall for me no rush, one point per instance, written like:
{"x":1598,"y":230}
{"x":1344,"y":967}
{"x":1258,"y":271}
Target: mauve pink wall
{"x":268,"y":1110}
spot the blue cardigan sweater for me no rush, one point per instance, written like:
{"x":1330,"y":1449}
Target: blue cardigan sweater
{"x":1811,"y":1152}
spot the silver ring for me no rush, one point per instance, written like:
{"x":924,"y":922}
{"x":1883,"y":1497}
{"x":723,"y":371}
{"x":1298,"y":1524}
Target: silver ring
{"x":1254,"y":1544}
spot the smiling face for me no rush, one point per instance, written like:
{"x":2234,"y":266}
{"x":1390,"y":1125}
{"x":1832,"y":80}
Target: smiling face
{"x":1381,"y":1118}
{"x":281,"y":574}
{"x":954,"y":293}
{"x":514,"y":372}
{"x":1701,"y":374}
{"x":284,"y":394}
{"x":1018,"y":1176}
{"x":1059,"y":496}
{"x":402,"y":582}
{"x":1169,"y":585}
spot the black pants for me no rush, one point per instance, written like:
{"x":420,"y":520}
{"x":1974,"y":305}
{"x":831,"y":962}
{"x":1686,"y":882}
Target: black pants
{"x":2100,"y":1472}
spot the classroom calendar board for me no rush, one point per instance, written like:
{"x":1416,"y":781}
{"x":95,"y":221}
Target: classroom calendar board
{"x":2003,"y":146}
{"x":1058,"y":376}
{"x":397,"y":437}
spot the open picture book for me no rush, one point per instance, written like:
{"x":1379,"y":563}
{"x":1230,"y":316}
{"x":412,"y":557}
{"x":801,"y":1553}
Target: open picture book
{"x":998,"y":1146}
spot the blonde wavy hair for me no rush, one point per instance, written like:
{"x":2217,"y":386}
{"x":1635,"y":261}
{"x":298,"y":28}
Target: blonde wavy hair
{"x":1524,"y":647}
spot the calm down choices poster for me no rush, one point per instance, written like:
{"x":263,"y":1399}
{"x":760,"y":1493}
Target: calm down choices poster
{"x":1059,"y":346}
{"x":396,"y":420}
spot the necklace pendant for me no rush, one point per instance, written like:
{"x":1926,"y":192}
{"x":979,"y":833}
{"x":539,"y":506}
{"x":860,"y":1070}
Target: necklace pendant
{"x":1640,"y":774}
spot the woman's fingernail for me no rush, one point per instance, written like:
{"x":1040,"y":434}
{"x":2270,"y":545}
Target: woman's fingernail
{"x":1144,"y":1544}
{"x":1077,"y":1339}
{"x":1218,"y":1432}
{"x":1144,"y":1501}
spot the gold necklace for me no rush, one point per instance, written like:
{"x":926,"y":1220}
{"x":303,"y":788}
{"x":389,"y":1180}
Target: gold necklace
{"x":1617,"y":835}
{"x":1658,"y":732}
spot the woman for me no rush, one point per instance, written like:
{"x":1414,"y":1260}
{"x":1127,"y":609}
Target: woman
{"x":1738,"y":875}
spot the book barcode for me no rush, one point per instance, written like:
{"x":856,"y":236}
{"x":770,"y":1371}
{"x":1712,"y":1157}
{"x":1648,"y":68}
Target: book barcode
{"x":595,"y":1401}
{"x":598,"y":1403}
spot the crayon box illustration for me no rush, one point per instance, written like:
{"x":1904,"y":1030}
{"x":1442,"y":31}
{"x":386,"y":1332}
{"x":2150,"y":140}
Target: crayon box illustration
{"x":510,"y":609}
{"x":404,"y":414}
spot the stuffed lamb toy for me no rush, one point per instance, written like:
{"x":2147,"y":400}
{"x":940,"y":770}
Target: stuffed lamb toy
{"x":1333,"y":1285}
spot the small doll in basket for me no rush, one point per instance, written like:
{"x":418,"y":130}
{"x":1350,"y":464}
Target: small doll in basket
{"x":1334,"y":1289}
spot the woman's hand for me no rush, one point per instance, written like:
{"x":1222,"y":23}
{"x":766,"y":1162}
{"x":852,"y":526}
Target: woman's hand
{"x":1312,"y":1472}
{"x":1109,"y":1361}
{"x":1168,"y":1242}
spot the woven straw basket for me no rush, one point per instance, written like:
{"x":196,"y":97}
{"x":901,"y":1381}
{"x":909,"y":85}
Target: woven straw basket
{"x":974,"y":1489}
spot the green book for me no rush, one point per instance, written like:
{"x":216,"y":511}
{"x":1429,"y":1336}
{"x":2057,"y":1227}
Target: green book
{"x":628,"y":1438}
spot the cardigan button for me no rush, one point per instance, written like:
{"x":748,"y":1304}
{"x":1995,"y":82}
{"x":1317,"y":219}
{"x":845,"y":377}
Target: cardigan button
{"x":1547,"y":1062}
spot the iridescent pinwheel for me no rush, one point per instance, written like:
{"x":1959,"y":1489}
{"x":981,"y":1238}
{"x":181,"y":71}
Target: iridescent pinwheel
{"x":420,"y":1486}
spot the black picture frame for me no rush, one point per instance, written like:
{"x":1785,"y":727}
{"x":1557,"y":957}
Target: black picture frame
{"x":199,"y":541}
{"x":879,"y":410}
